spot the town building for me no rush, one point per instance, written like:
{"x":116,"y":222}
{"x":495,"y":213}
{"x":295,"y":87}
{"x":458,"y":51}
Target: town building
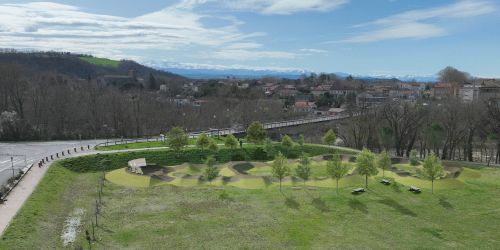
{"x":288,"y":91}
{"x":338,"y":91}
{"x":304,"y":106}
{"x":321,"y":90}
{"x":442,"y":91}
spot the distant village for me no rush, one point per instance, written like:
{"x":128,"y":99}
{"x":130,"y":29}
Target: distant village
{"x":331,"y":97}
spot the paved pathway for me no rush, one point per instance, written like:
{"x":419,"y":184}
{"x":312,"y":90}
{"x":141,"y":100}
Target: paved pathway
{"x":22,"y":192}
{"x":32,"y":152}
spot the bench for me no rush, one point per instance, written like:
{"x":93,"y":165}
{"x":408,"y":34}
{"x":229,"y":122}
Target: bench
{"x":385,"y":182}
{"x":414,"y":189}
{"x":358,"y":190}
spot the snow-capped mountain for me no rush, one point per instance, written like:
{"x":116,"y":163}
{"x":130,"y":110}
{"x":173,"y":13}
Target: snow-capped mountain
{"x":209,"y":71}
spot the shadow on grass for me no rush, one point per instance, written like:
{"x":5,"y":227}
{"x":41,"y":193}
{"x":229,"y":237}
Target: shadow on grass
{"x":225,"y":196}
{"x":358,"y":205}
{"x":320,"y":204}
{"x":194,"y":169}
{"x":434,"y":232}
{"x":226,"y":180}
{"x":396,"y":187}
{"x":268,"y":181}
{"x":398,"y":207}
{"x":443,"y":201}
{"x":105,"y":228}
{"x":292,"y":203}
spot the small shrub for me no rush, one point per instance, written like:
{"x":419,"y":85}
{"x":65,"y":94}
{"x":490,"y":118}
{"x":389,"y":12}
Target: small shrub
{"x":414,"y":161}
{"x":259,"y":154}
{"x":225,"y":196}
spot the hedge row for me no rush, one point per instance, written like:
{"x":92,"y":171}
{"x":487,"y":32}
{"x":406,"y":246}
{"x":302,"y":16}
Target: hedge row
{"x":92,"y":163}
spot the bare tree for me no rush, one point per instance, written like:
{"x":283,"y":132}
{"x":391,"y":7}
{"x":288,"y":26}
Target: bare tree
{"x":452,"y":75}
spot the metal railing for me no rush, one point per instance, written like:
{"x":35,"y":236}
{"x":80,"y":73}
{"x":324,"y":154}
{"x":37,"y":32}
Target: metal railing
{"x":227,"y":131}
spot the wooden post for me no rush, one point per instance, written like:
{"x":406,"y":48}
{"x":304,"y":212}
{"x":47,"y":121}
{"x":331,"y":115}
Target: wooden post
{"x":96,"y":212}
{"x":87,"y":236}
{"x":93,"y":230}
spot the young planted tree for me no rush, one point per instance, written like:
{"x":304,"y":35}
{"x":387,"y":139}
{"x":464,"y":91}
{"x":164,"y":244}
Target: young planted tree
{"x":203,"y":141}
{"x":414,"y":158}
{"x":304,"y":170}
{"x":231,"y":141}
{"x":256,"y":133}
{"x":433,"y":169}
{"x":366,"y":164}
{"x":287,"y":143}
{"x":280,"y":167}
{"x":212,"y":146}
{"x":301,"y":140}
{"x":211,"y":172}
{"x":329,"y":138}
{"x":384,"y":162}
{"x":269,"y":148}
{"x":177,"y":139}
{"x":336,"y":169}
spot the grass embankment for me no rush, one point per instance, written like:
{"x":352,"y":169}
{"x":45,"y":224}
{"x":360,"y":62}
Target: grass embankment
{"x":101,"y":61}
{"x":170,"y":217}
{"x":150,"y":144}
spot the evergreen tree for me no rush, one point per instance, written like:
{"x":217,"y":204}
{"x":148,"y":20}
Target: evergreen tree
{"x":231,"y":141}
{"x":329,"y":138}
{"x":203,"y":141}
{"x":256,"y":133}
{"x":177,"y":139}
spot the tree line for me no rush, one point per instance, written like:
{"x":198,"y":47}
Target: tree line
{"x":451,"y":129}
{"x":50,"y":105}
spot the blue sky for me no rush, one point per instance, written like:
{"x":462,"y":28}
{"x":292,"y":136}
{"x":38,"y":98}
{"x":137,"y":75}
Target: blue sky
{"x":364,"y":37}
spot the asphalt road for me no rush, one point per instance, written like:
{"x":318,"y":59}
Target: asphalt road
{"x":34,"y":152}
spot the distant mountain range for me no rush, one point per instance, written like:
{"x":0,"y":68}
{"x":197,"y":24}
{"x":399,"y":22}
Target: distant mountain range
{"x":219,"y":72}
{"x":77,"y":66}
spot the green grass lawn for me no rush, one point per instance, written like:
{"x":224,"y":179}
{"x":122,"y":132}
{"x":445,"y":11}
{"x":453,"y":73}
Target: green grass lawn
{"x":151,"y":144}
{"x":190,"y":216}
{"x":101,"y":61}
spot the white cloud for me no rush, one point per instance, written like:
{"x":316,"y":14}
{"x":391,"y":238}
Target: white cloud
{"x":51,"y":26}
{"x":270,"y":7}
{"x":246,"y":55}
{"x":405,"y":30}
{"x":169,"y":64}
{"x":318,"y":51}
{"x":415,"y":24}
{"x":247,"y":45}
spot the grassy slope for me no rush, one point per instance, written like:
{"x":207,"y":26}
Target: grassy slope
{"x":39,"y":223}
{"x":101,"y":61}
{"x":151,"y":144}
{"x":169,"y":217}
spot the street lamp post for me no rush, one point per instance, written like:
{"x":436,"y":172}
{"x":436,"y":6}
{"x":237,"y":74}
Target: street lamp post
{"x":12,"y":164}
